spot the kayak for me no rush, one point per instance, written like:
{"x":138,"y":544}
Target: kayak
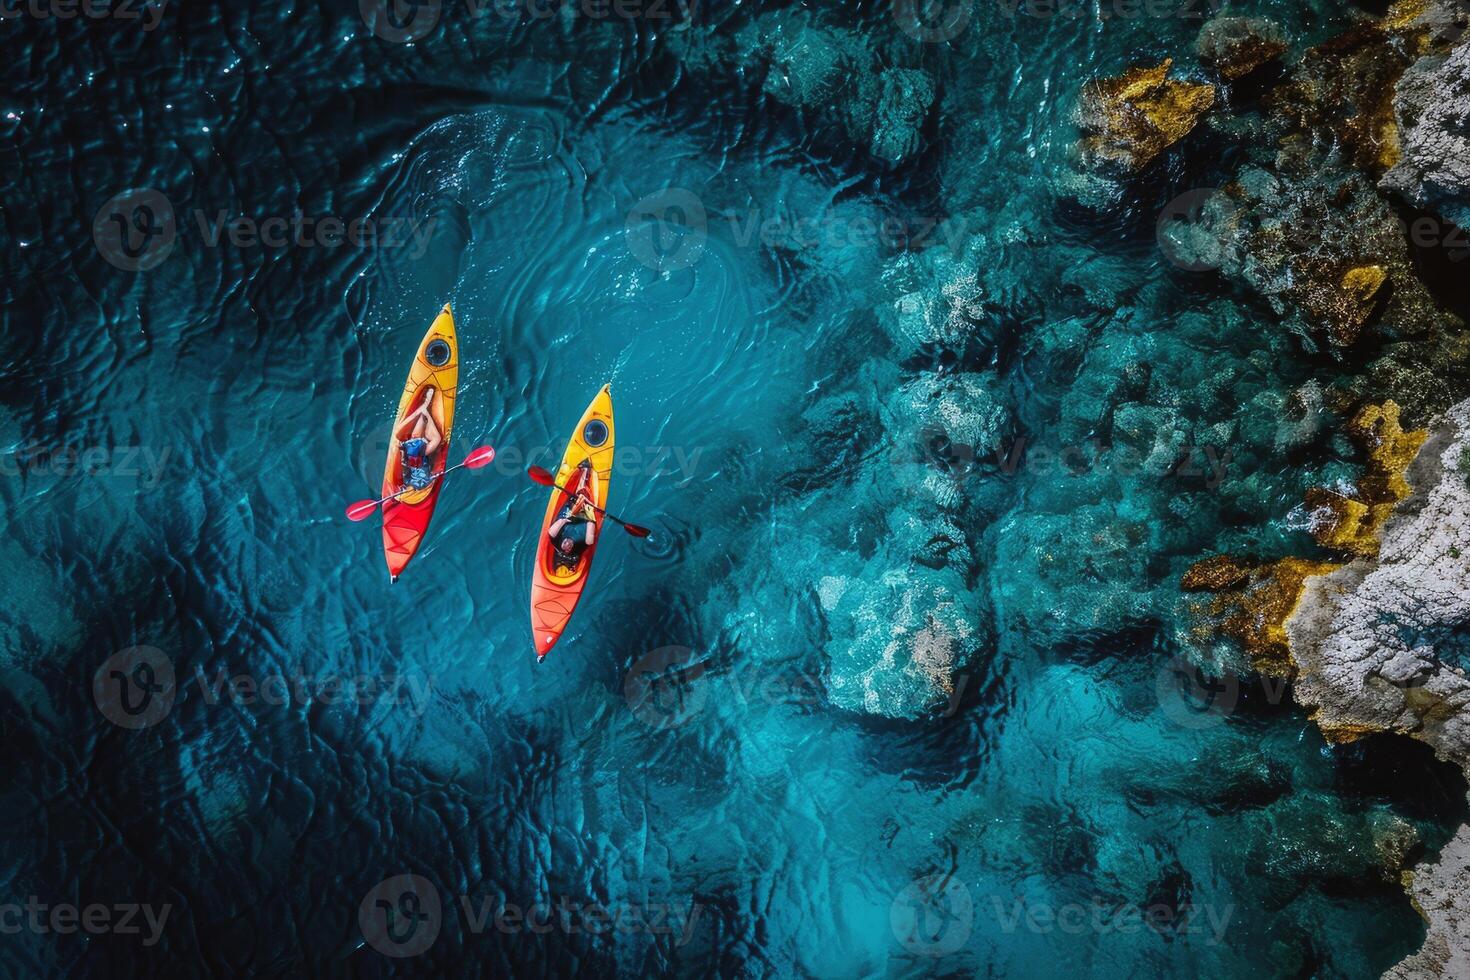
{"x":406,"y":518}
{"x":555,"y":589}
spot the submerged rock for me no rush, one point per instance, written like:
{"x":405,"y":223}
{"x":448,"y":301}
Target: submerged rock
{"x":957,"y":420}
{"x":1216,"y":574}
{"x":816,"y":67}
{"x":1236,"y":46}
{"x":1127,"y":121}
{"x":890,"y":112}
{"x":1432,"y":108}
{"x":903,"y":634}
{"x":1326,"y":251}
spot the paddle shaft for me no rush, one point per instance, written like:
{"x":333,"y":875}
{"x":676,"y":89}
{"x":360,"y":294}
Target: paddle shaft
{"x":447,"y":470}
{"x":600,"y":510}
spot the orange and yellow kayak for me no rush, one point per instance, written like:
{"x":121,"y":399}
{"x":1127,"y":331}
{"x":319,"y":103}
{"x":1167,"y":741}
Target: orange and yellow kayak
{"x":555,"y":590}
{"x":436,"y":366}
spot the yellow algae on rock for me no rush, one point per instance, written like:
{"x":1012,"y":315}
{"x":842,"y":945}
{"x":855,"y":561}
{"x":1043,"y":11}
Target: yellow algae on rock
{"x":1340,"y":522}
{"x":1256,"y":600}
{"x":1342,"y":300}
{"x":1129,"y":120}
{"x":1341,"y":733}
{"x":1258,"y":614}
{"x":1363,"y":282}
{"x":1390,"y":451}
{"x":1216,"y":573}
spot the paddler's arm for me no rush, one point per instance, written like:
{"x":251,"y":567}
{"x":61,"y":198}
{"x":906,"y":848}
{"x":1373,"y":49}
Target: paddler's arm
{"x":412,"y":417}
{"x":435,"y":439}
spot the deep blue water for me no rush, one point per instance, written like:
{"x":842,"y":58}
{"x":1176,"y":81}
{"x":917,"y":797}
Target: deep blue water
{"x":707,"y":754}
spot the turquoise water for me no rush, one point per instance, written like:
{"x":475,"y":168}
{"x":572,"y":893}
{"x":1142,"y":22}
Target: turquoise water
{"x":720,"y":732}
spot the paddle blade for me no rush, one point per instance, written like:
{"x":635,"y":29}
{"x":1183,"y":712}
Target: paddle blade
{"x":480,"y":457}
{"x":362,"y":510}
{"x":636,"y":531}
{"x":541,"y":476}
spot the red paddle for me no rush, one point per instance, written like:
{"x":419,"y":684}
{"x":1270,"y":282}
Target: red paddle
{"x":364,"y":509}
{"x":545,"y":478}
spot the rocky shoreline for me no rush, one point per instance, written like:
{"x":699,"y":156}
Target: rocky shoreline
{"x":1371,"y":634}
{"x":1370,"y":643}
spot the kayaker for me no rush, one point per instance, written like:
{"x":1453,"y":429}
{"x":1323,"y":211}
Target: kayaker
{"x":575,"y":527}
{"x":419,"y":439}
